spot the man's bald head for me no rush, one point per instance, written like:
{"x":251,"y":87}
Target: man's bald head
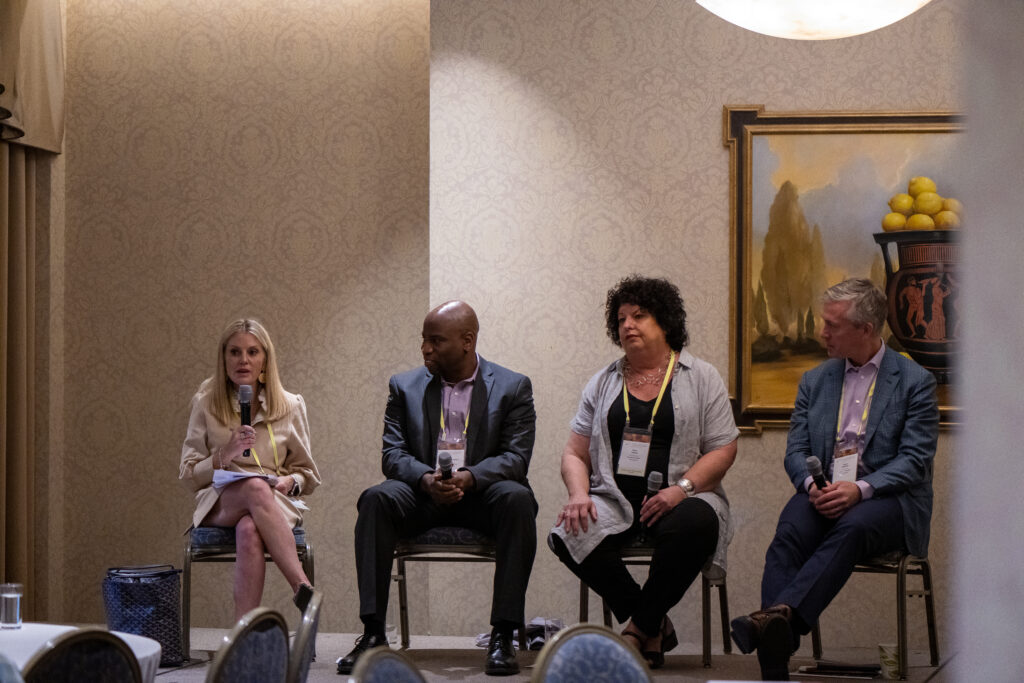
{"x":449,"y":340}
{"x":457,"y":313}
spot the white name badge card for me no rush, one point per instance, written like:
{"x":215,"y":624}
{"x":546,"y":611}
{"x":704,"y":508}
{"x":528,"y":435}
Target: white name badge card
{"x":844,"y":464}
{"x":456,"y":451}
{"x":636,"y":444}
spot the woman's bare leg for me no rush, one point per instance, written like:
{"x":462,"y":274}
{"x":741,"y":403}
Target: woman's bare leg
{"x":250,"y":567}
{"x":254,"y":498}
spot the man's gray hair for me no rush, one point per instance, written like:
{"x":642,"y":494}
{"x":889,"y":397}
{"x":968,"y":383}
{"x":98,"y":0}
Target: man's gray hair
{"x":867,"y":302}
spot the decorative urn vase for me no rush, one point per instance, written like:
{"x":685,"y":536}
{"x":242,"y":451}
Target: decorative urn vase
{"x":922,"y":288}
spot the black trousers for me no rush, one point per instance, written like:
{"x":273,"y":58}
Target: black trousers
{"x":683,"y":540}
{"x":506,"y":511}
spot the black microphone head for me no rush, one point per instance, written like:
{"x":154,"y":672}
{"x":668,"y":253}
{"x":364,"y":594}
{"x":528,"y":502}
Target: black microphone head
{"x":654,"y":480}
{"x":245,"y":394}
{"x":444,"y":461}
{"x":814,"y":466}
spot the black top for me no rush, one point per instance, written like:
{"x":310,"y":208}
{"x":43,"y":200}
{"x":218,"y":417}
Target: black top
{"x":635,"y":488}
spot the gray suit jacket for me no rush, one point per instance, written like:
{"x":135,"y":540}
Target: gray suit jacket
{"x":900,"y":440}
{"x":502,"y":426}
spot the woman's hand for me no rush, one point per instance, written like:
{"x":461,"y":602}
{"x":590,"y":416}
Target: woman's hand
{"x":655,"y":507}
{"x":285,"y":484}
{"x":242,"y":437}
{"x":577,"y":514}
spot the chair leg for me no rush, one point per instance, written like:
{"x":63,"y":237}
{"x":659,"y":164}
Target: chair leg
{"x":723,"y":603}
{"x":705,"y":615}
{"x":584,"y":602}
{"x":816,"y":642}
{"x":929,"y":606}
{"x":523,"y":645}
{"x":186,"y":603}
{"x":403,"y":604}
{"x":307,"y":565}
{"x":607,"y":613}
{"x":901,"y":617}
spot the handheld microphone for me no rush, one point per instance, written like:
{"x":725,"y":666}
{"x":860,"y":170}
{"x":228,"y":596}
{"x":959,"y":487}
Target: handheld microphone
{"x":814,"y":469}
{"x":444,"y":461}
{"x":654,"y":480}
{"x":244,"y":407}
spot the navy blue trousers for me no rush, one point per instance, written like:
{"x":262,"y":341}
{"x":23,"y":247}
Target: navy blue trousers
{"x":811,"y":556}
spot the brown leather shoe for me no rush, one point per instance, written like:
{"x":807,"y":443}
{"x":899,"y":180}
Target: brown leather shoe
{"x":748,"y":630}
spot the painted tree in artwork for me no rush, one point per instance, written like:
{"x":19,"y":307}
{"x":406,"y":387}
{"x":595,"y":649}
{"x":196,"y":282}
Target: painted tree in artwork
{"x":793,"y":264}
{"x":760,"y":312}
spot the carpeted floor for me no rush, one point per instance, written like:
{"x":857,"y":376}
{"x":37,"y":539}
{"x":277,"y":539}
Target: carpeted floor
{"x":442,"y":658}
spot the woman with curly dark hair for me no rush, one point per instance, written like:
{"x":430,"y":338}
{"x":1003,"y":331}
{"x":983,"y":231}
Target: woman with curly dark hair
{"x":658,"y":409}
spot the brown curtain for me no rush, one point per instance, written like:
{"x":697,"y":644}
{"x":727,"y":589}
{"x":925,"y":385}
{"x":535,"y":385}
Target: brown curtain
{"x":32,"y":113}
{"x":17,"y":367}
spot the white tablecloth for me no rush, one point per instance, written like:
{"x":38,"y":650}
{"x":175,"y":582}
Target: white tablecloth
{"x":18,"y":645}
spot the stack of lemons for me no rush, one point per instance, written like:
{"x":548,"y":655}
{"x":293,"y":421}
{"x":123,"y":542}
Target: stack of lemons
{"x":921,"y":208}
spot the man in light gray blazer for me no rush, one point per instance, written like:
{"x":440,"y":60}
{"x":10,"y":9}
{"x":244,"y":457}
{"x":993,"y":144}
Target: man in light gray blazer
{"x":871,"y":417}
{"x":482,"y":415}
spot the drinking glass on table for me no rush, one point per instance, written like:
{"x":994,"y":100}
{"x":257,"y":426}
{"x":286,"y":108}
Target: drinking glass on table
{"x":10,"y":605}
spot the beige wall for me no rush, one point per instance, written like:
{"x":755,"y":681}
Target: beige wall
{"x":243,"y":157}
{"x":264,"y":158}
{"x":575,"y":142}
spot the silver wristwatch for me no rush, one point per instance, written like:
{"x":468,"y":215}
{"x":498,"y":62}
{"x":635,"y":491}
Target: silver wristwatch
{"x":687,"y":486}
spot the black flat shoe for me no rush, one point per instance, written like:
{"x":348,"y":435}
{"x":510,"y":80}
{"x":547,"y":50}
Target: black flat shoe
{"x":501,"y":656}
{"x":365,"y":642}
{"x":302,"y":596}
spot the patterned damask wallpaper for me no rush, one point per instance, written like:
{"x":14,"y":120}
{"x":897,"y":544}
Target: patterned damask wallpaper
{"x":236,"y":157}
{"x":575,"y":142}
{"x":230,"y":158}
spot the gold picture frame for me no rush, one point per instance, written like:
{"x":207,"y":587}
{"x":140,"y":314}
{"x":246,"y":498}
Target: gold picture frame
{"x":826,"y":177}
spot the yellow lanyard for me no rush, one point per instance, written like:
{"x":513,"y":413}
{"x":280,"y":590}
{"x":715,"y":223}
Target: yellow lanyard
{"x":273,"y":444}
{"x":444,"y":434}
{"x":864,"y":415}
{"x":664,"y":383}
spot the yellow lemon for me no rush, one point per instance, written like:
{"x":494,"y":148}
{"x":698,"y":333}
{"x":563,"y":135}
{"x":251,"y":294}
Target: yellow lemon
{"x":893,"y":221}
{"x":946,"y":220}
{"x":954,"y":205}
{"x":919,"y":184}
{"x":928,"y":202}
{"x":920,"y":221}
{"x":902,"y":203}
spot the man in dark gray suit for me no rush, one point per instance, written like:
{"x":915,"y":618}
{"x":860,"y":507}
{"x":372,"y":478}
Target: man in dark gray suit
{"x":871,"y":417}
{"x":482,"y":416}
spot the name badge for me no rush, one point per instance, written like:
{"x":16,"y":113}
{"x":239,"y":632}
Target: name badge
{"x":457,"y":452}
{"x":636,"y":444}
{"x":844,"y":464}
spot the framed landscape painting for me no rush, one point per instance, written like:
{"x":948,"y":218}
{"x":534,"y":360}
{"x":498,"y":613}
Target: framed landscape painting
{"x":808,"y":192}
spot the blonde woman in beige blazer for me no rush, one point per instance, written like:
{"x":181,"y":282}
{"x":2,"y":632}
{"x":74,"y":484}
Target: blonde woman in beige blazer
{"x":262,"y":509}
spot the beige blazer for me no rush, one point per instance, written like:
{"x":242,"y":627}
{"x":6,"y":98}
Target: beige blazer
{"x":207,"y":433}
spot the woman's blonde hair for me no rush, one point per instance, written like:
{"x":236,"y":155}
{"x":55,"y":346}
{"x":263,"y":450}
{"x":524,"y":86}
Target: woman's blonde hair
{"x":221,"y":404}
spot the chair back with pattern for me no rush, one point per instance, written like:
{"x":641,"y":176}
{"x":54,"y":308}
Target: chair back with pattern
{"x":9,"y":672}
{"x":384,"y":665}
{"x":304,"y":644}
{"x":255,"y":651}
{"x":88,"y":655}
{"x":585,"y":653}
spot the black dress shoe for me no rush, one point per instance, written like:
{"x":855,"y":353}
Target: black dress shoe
{"x":365,"y":642}
{"x":774,"y":649}
{"x":501,"y":656}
